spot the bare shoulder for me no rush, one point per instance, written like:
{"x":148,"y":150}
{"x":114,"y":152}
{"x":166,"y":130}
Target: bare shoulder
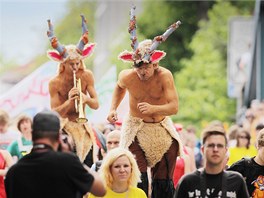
{"x":126,"y":74}
{"x":88,"y":76}
{"x":54,"y":81}
{"x":125,"y":77}
{"x":88,"y":72}
{"x":164,"y":73}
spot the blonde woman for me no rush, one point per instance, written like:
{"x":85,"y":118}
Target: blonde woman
{"x":121,"y":175}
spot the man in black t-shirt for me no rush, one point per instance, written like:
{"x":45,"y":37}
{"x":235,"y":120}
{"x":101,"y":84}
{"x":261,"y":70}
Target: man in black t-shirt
{"x":46,"y":173}
{"x":252,"y":169}
{"x":212,"y":181}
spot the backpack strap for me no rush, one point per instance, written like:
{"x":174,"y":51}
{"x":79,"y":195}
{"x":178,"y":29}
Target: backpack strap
{"x":224,"y":183}
{"x":247,"y":161}
{"x":247,"y":167}
{"x":203,"y":181}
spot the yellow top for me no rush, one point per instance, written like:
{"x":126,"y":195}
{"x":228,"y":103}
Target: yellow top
{"x":132,"y":192}
{"x":237,"y":153}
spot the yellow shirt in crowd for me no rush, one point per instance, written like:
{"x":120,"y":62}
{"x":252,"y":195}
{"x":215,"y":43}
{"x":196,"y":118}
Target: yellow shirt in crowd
{"x":237,"y":153}
{"x":133,"y":192}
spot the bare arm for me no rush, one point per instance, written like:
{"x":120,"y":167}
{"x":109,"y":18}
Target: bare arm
{"x":8,"y":160}
{"x":171,"y":107}
{"x":91,"y":100}
{"x":118,"y":95}
{"x":62,"y":107}
{"x":97,"y":188}
{"x":192,"y":158}
{"x":187,"y":165}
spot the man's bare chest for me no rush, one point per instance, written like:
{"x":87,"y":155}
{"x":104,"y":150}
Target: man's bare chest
{"x":64,"y":87}
{"x":146,"y":93}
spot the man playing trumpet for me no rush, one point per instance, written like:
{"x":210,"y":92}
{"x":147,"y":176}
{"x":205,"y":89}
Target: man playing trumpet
{"x":66,"y":97}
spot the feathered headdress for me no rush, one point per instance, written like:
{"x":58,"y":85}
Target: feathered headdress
{"x":62,"y":53}
{"x":145,"y":51}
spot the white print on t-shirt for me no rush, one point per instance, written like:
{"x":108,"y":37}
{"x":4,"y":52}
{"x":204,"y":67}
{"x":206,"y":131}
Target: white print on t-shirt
{"x":197,"y":193}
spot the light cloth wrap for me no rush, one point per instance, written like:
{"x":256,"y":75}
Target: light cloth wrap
{"x":82,"y":136}
{"x":154,"y":138}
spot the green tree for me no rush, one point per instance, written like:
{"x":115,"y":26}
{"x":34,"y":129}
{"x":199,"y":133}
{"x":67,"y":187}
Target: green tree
{"x":158,"y":15}
{"x":202,"y":83}
{"x":196,"y":53}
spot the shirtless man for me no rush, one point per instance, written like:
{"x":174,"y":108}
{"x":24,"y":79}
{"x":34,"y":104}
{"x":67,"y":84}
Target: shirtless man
{"x":148,"y":131}
{"x":64,"y":94}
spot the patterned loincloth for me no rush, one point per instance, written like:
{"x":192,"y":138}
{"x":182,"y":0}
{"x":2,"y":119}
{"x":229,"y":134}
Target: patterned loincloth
{"x":154,"y":138}
{"x":82,"y":136}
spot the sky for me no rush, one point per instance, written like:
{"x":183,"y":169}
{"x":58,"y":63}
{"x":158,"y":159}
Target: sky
{"x":23,"y":27}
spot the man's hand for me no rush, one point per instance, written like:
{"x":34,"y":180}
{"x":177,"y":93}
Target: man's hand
{"x":112,"y":117}
{"x":145,"y":108}
{"x":73,"y":94}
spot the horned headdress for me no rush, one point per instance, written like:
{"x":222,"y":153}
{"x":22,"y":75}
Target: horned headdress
{"x":62,"y":53}
{"x":145,"y":51}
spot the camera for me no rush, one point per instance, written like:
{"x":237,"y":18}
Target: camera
{"x":65,"y":145}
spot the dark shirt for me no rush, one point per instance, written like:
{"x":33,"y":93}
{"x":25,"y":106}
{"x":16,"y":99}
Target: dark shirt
{"x":191,"y":185}
{"x":253,"y":174}
{"x":48,"y":175}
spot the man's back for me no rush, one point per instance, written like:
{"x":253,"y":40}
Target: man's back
{"x":47,"y":174}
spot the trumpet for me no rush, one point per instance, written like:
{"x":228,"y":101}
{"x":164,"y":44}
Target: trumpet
{"x":79,"y":104}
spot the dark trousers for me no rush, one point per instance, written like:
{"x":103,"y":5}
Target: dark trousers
{"x":161,"y":173}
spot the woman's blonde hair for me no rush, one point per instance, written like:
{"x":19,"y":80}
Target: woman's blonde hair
{"x":110,"y":158}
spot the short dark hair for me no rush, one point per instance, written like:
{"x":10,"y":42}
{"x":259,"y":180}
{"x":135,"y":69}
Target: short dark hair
{"x":21,"y":119}
{"x":45,"y":134}
{"x":213,"y":130}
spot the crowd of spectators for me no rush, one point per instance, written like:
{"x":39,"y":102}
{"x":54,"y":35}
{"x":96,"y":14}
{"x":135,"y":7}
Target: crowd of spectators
{"x":242,"y":143}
